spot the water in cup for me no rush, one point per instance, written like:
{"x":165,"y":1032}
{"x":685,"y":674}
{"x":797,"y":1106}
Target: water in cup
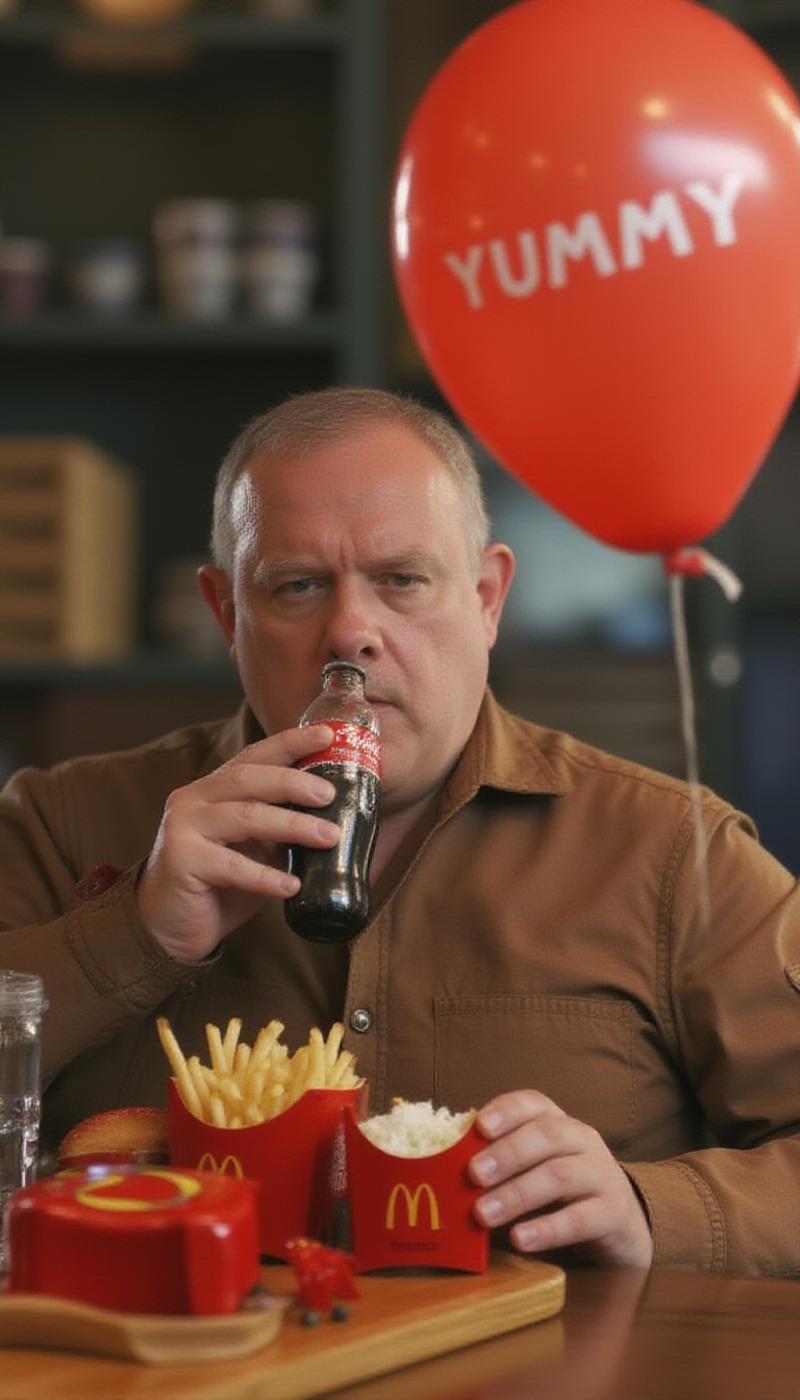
{"x":21,"y":1006}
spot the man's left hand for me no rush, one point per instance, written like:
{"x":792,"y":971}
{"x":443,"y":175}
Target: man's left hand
{"x":545,"y":1165}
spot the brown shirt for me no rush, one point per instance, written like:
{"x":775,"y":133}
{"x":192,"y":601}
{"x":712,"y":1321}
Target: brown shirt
{"x":542,"y":928}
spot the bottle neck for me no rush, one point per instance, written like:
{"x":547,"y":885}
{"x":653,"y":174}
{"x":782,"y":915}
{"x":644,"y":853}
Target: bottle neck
{"x":344,"y":680}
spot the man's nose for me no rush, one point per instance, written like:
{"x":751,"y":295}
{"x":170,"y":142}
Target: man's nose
{"x":352,"y":631}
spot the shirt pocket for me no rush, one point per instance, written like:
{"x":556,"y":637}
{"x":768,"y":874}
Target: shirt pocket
{"x":575,"y":1050}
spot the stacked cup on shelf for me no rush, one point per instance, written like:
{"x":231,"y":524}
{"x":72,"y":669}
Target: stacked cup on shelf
{"x":213,"y":256}
{"x":196,"y":261}
{"x":279,"y":259}
{"x":25,"y":265}
{"x":107,"y":276}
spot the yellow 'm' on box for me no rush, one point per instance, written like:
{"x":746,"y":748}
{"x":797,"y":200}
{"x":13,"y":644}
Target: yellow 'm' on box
{"x":67,"y":551}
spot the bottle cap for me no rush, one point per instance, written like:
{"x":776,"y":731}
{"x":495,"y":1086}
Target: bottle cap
{"x":21,"y":994}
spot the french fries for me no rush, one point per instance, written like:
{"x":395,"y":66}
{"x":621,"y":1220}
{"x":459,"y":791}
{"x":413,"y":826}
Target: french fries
{"x":247,"y":1084}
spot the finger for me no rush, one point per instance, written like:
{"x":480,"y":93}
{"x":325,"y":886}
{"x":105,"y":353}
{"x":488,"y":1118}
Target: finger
{"x":578,"y":1222}
{"x":507,"y":1111}
{"x":220,"y":867}
{"x":274,"y":783}
{"x":238,"y":822}
{"x":553,"y":1182}
{"x":286,"y":747}
{"x":533,"y":1142}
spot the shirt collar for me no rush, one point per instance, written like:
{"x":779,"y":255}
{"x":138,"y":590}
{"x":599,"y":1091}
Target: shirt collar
{"x":506,"y":753}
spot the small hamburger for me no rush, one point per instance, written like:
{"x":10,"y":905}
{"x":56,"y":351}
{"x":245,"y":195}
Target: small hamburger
{"x":136,"y":1136}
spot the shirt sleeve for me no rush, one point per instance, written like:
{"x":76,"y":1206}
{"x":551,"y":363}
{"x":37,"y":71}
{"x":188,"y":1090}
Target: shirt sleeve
{"x":101,"y":968}
{"x":730,"y":986}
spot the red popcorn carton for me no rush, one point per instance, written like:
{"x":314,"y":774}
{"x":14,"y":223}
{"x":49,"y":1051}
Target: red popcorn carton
{"x":141,"y":1240}
{"x":414,"y":1211}
{"x":297,"y":1156}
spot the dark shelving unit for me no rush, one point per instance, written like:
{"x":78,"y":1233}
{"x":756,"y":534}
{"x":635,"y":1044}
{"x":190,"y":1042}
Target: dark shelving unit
{"x":102,"y":123}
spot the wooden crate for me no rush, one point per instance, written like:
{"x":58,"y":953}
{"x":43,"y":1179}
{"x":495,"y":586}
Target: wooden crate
{"x":67,"y":551}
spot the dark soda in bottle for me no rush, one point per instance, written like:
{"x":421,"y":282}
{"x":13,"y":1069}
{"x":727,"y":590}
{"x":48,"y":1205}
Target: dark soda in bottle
{"x":332,"y":904}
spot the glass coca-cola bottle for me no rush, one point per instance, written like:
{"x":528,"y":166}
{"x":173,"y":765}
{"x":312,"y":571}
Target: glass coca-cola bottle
{"x":332,"y":904}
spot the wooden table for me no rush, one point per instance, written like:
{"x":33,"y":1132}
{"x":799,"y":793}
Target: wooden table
{"x":629,"y":1335}
{"x":623,"y":1335}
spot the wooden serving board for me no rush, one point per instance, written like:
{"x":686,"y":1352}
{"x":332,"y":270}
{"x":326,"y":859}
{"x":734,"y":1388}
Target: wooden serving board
{"x":37,"y":1320}
{"x":398,"y":1320}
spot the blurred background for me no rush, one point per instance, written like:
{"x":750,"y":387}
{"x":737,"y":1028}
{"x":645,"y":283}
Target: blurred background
{"x":194,"y":202}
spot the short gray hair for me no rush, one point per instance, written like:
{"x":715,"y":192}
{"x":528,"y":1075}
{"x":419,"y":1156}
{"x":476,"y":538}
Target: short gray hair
{"x":306,"y":421}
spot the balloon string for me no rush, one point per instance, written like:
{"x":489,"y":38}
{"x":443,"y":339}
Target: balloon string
{"x":689,"y":730}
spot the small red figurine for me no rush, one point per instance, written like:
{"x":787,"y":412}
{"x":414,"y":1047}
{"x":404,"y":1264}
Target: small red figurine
{"x":322,"y":1274}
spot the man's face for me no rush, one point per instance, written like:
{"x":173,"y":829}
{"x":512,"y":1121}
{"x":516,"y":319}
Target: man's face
{"x":359,"y":551}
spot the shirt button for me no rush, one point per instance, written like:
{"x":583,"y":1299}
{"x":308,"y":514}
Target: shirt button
{"x":360,"y":1020}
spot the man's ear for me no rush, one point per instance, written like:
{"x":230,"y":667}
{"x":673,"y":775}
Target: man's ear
{"x":497,"y":569}
{"x":217,"y":594}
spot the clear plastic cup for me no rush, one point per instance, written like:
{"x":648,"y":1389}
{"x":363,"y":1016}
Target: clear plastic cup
{"x":22,"y":1005}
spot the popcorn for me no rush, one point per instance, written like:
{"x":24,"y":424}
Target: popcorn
{"x":416,"y":1129}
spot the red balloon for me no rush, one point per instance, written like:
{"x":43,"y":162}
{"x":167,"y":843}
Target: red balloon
{"x":596,"y":237}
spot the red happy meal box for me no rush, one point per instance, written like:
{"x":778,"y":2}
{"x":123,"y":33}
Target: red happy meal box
{"x":297,"y":1156}
{"x":143,"y":1240}
{"x":413,"y":1210}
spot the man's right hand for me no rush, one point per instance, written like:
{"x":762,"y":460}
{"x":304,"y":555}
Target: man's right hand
{"x":217,"y":854}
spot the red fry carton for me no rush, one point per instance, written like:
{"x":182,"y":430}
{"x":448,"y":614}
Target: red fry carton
{"x":298,"y":1157}
{"x":414,"y":1210}
{"x":143,"y":1240}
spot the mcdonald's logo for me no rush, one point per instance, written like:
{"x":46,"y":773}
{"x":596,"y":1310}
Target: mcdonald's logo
{"x":185,"y":1187}
{"x":412,"y":1200}
{"x":208,"y":1163}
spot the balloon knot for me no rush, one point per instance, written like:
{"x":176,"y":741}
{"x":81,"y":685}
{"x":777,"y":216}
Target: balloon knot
{"x":685,"y":561}
{"x":696,"y":563}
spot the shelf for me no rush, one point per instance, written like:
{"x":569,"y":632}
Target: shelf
{"x":30,"y":28}
{"x":146,"y":669}
{"x":152,"y":331}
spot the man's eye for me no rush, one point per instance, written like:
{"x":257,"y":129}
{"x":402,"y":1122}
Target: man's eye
{"x":296,"y":587}
{"x":403,"y":580}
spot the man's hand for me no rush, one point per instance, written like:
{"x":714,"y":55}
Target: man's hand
{"x":558,"y":1170}
{"x":217,"y":854}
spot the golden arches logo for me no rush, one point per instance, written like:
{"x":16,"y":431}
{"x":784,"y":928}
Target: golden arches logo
{"x":412,"y":1200}
{"x":208,"y":1163}
{"x":90,"y":1195}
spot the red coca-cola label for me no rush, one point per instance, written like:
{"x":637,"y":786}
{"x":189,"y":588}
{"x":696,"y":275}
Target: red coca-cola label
{"x":351,"y":744}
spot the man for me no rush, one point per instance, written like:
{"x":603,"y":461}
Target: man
{"x":535,"y":947}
